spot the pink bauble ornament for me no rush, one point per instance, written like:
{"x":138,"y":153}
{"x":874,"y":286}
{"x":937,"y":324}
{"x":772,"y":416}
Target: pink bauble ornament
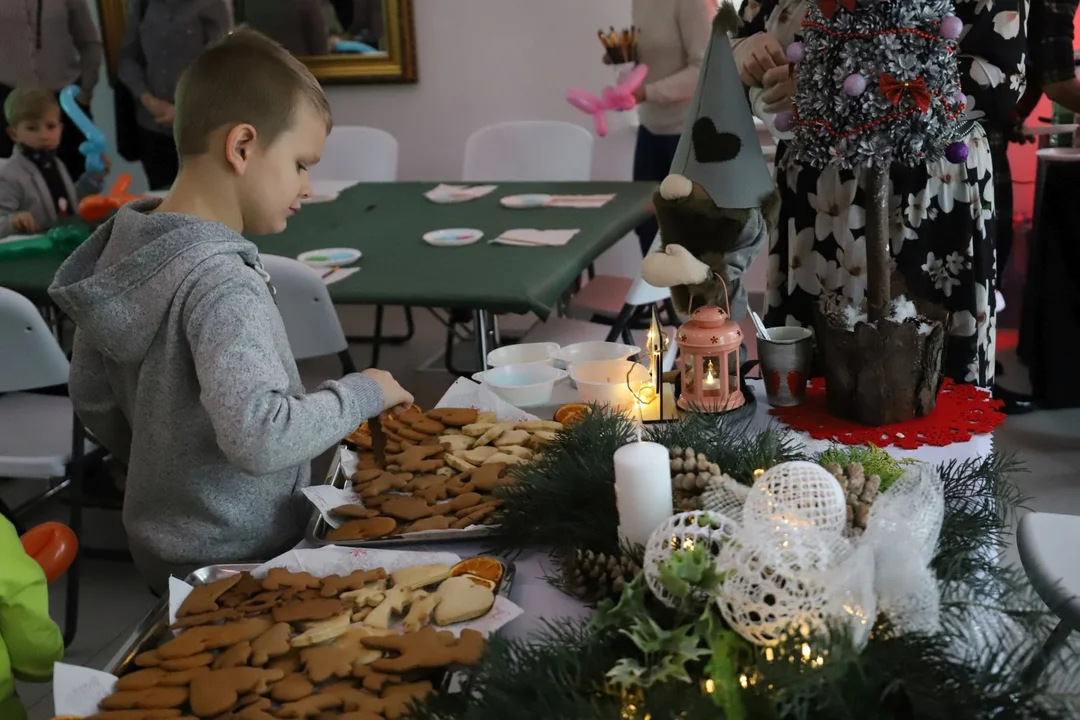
{"x":796,"y":52}
{"x":784,"y":121}
{"x":960,"y":98}
{"x":951,"y":27}
{"x":854,"y":85}
{"x":956,"y":153}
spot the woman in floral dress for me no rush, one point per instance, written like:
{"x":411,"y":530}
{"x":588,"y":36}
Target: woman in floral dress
{"x":943,"y":220}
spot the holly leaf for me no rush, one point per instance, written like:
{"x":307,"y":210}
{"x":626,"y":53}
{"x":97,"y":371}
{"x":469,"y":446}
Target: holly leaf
{"x":683,"y":646}
{"x":647,"y":635}
{"x":688,"y":570}
{"x":631,"y":605}
{"x":627,"y":673}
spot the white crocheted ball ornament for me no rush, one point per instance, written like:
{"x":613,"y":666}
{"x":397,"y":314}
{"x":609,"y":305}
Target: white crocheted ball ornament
{"x":686,"y":531}
{"x":800,"y":495}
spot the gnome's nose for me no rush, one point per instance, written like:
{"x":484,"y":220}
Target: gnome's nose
{"x":676,"y":187}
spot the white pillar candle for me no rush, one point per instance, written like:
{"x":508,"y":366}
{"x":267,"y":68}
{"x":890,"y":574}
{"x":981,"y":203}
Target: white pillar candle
{"x":642,"y":489}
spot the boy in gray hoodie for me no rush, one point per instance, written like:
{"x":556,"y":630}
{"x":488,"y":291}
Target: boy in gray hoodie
{"x":181,"y":365}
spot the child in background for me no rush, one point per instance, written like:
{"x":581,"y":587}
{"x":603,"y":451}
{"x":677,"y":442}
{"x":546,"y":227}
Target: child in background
{"x":36,"y":191}
{"x":30,"y":642}
{"x":181,"y":366}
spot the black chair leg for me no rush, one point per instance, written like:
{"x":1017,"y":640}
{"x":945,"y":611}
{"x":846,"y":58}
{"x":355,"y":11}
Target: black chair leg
{"x":410,"y":330}
{"x":376,"y":338}
{"x":347,"y":364}
{"x":669,"y":310}
{"x":71,"y":600}
{"x":620,"y":327}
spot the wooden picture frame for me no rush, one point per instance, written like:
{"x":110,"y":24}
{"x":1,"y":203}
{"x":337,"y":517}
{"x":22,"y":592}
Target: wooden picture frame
{"x":396,"y":66}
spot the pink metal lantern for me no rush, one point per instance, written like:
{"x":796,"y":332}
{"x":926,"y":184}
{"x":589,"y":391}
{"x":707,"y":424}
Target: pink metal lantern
{"x":710,"y":376}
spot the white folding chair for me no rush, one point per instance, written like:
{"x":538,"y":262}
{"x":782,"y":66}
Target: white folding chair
{"x":40,"y":436}
{"x":310,"y":320}
{"x":1046,"y":542}
{"x":529,"y":151}
{"x":358,"y":154}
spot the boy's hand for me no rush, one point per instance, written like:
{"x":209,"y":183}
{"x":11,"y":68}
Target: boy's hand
{"x":779,"y":87}
{"x":108,"y":166}
{"x":395,"y":397}
{"x":25,"y":222}
{"x":759,"y":53}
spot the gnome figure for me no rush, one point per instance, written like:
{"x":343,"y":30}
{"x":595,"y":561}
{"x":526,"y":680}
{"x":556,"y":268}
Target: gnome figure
{"x":719,"y":204}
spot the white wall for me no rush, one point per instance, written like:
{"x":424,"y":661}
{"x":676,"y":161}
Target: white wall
{"x":484,"y":61}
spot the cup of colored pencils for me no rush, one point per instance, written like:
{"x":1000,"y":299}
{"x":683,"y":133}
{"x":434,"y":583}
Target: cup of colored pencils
{"x":621,"y":46}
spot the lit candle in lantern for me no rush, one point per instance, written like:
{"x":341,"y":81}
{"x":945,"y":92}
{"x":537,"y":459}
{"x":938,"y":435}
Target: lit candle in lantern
{"x":642,"y":489}
{"x":710,"y":374}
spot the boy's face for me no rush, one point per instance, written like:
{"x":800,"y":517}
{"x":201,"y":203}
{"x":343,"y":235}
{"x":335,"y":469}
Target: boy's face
{"x":42,"y":134}
{"x":276,"y":177}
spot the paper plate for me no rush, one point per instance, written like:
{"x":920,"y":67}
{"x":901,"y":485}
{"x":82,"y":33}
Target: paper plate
{"x":330,"y":257}
{"x":520,"y":202}
{"x":320,"y":198}
{"x":453,"y":237}
{"x":450,"y":198}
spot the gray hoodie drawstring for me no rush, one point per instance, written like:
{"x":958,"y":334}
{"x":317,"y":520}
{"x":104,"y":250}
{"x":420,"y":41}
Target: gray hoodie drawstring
{"x":258,"y":266}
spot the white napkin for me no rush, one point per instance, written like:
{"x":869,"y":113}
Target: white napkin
{"x":331,"y":277}
{"x":535,"y":238}
{"x":458,"y":192}
{"x":16,"y":238}
{"x":579,"y":201}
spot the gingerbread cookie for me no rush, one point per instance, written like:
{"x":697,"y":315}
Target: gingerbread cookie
{"x":354,"y":511}
{"x":293,"y":687}
{"x":373,"y":680}
{"x":287,"y":663}
{"x":203,"y":659}
{"x":207,"y":618}
{"x":262,"y":601}
{"x":375,"y":527}
{"x":461,"y":600}
{"x":384,"y":484}
{"x":162,"y":714}
{"x":426,"y":425}
{"x":335,"y":584}
{"x":398,"y":700}
{"x":149,"y":699}
{"x":320,"y":632}
{"x":404,"y":507}
{"x":272,"y":643}
{"x":418,"y":459}
{"x":203,"y":598}
{"x":438,"y":522}
{"x":309,"y":706}
{"x":427,"y":648}
{"x":454,"y":417}
{"x":204,"y":638}
{"x":354,"y":699}
{"x":236,"y":656}
{"x":420,"y":610}
{"x":245,"y":587}
{"x":219,"y":690}
{"x":279,"y":578}
{"x":364,"y":476}
{"x":319,"y":609}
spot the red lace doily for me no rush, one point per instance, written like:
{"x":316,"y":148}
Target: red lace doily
{"x":962,"y":412}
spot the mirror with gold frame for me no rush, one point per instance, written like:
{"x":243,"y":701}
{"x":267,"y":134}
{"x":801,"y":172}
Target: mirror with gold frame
{"x":390,"y":58}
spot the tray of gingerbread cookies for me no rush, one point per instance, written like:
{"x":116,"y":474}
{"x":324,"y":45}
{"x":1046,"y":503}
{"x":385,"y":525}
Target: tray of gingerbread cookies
{"x":423,"y":476}
{"x":246,"y":642}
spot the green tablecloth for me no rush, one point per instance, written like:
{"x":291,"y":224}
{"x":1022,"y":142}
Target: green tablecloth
{"x":386,"y":222}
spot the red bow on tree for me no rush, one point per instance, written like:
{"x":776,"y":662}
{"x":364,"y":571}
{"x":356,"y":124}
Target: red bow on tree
{"x":828,"y":7}
{"x":895,"y":90}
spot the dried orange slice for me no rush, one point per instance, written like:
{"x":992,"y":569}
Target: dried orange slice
{"x":483,"y":568}
{"x":364,"y":431}
{"x":569,"y":414}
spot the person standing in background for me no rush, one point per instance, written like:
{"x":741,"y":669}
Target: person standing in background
{"x":674,"y":37}
{"x":50,"y":44}
{"x":367,"y":22}
{"x":297,"y":25}
{"x":162,"y":39}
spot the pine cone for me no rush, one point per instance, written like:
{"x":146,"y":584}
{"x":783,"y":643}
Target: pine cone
{"x":860,"y":491}
{"x":593,"y":577}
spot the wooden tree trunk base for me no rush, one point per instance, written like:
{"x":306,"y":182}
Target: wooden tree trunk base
{"x":881,"y":374}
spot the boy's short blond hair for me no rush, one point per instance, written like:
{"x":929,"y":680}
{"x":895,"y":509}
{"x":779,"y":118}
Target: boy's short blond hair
{"x":28,"y":103}
{"x":244,"y":78}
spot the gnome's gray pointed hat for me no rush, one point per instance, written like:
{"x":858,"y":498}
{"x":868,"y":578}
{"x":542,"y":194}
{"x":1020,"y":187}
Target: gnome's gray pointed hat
{"x":719,"y":147}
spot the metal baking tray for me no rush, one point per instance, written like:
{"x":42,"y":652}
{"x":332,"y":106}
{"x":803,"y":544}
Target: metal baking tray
{"x":154,"y":627}
{"x":318,"y":528}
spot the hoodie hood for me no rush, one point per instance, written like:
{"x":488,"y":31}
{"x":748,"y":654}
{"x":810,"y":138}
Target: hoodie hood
{"x":120,"y":283}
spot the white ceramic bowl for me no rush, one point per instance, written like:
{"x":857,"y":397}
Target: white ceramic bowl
{"x":523,"y":386}
{"x":524,"y":353}
{"x":610,"y":382}
{"x":571,"y":355}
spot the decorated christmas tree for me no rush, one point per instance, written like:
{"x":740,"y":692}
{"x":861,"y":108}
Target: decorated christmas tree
{"x":877,"y":83}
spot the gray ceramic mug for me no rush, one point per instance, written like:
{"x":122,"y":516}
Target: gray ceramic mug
{"x":785,"y":364}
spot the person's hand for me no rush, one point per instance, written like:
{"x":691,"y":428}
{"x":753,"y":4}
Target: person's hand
{"x":759,"y":53}
{"x":108,"y":166}
{"x":779,"y":88}
{"x":395,"y":397}
{"x":639,"y":94}
{"x":166,"y":114}
{"x":24,"y":222}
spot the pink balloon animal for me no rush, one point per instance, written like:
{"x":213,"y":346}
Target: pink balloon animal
{"x":620,"y":97}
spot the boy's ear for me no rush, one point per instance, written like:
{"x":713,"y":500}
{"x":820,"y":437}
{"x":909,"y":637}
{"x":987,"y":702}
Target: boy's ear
{"x":239,"y":143}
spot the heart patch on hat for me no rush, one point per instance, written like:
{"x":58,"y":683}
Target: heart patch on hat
{"x":711,"y":145}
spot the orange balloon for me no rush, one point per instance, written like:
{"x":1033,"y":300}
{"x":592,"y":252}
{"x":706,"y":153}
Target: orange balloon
{"x":53,"y":545}
{"x":119,"y":188}
{"x":96,"y":207}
